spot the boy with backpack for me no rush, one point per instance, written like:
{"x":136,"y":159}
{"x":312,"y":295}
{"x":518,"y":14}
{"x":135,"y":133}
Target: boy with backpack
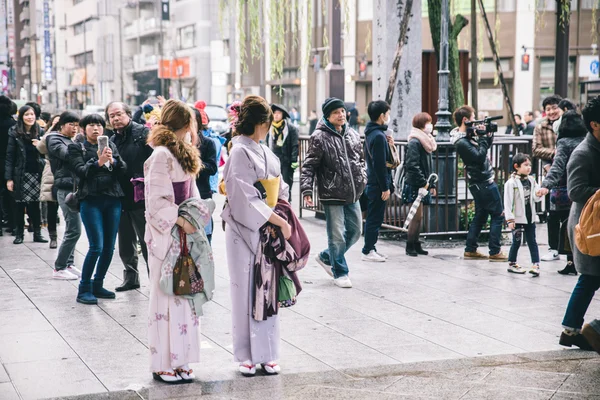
{"x":519,"y":210}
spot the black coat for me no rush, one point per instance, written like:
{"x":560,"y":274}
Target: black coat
{"x":376,"y":154}
{"x":337,"y":162}
{"x":475,"y":157}
{"x":16,"y":158}
{"x":134,"y":150}
{"x":95,"y":180}
{"x":5,"y":126}
{"x":208,"y":155}
{"x":58,"y":153}
{"x":288,"y":153}
{"x":418,"y":164}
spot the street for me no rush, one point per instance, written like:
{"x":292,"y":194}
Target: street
{"x":472,"y":315}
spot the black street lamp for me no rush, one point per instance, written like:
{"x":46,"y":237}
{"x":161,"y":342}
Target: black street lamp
{"x":443,"y":124}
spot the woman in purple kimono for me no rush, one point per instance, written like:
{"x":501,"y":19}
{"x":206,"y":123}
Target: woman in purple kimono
{"x":169,"y":177}
{"x":254,"y":342}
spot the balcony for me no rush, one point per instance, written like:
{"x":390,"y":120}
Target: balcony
{"x":24,"y":33}
{"x":144,"y":27}
{"x":25,"y":51}
{"x":24,"y":16}
{"x":25,"y":70}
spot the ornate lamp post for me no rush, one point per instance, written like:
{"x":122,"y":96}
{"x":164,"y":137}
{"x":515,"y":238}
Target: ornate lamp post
{"x":443,"y":217}
{"x":443,"y":124}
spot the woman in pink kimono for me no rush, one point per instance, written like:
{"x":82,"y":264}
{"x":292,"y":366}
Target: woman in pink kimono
{"x":169,"y":176}
{"x":254,"y":342}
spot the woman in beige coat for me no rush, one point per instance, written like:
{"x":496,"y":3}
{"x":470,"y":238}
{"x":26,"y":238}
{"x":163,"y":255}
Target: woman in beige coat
{"x":46,"y":195}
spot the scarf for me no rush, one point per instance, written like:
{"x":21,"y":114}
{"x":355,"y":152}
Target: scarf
{"x":427,"y":141}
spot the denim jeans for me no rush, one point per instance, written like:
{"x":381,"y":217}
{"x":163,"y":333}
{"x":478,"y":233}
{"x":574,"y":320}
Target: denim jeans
{"x":343,"y":230}
{"x":529,"y":230}
{"x":487,"y":202}
{"x":66,"y":252}
{"x":582,"y":296}
{"x":100,"y":216}
{"x":375,"y":215}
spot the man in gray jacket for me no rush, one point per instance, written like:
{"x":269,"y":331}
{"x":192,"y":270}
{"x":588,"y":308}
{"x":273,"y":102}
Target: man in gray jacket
{"x":583,"y":182}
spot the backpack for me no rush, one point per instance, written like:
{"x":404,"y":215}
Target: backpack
{"x":587,"y":231}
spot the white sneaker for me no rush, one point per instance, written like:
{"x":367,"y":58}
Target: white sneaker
{"x":551,"y":256}
{"x":381,"y":254}
{"x":64,"y":275}
{"x":74,"y":271}
{"x":343,"y":282}
{"x":326,"y":267}
{"x":372,"y":257}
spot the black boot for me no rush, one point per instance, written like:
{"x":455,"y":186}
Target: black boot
{"x":18,"y":236}
{"x":99,"y":291}
{"x":38,"y":238}
{"x":53,"y":242}
{"x":569,"y":269}
{"x":85,"y":296}
{"x":131,"y":281}
{"x":419,"y":249}
{"x":410,"y":249}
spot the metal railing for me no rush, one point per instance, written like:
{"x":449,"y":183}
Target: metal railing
{"x":451,"y":211}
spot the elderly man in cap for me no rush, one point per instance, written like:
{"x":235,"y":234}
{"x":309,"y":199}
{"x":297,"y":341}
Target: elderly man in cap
{"x":335,"y":158}
{"x":283,"y":141}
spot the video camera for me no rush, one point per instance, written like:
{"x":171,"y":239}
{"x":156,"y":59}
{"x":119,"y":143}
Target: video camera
{"x":490,"y":127}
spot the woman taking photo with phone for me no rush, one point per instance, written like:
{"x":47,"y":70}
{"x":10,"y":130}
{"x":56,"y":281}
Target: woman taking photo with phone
{"x":99,"y":192}
{"x":23,"y":173}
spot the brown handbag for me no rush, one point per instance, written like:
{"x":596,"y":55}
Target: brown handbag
{"x":186,"y":277}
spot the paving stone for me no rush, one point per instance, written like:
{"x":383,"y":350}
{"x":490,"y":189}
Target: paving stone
{"x":53,"y":378}
{"x":23,"y":321}
{"x":527,"y":378}
{"x":431,"y":387}
{"x":33,"y":346}
{"x":8,"y":392}
{"x":488,"y":392}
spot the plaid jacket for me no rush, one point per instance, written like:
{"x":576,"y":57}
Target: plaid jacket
{"x":544,"y":141}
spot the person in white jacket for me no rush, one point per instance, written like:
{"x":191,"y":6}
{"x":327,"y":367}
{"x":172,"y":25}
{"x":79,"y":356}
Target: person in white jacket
{"x":519,"y":210}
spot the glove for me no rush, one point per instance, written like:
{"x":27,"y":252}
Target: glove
{"x":294,"y":165}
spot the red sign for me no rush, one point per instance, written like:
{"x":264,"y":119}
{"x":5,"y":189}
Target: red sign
{"x":174,"y":69}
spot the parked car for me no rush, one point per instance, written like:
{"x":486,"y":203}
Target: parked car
{"x":218,"y":118}
{"x":92,"y":109}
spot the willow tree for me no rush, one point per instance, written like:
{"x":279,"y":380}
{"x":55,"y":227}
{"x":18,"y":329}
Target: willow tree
{"x":456,"y":95}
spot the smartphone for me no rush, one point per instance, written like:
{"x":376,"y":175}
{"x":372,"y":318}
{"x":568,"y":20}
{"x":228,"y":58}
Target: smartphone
{"x":102,"y":143}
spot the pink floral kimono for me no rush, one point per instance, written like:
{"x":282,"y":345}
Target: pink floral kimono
{"x":173,"y":326}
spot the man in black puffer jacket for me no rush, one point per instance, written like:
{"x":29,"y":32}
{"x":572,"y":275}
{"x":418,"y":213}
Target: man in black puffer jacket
{"x":335,"y":158}
{"x":473,"y":149}
{"x":130,"y":139}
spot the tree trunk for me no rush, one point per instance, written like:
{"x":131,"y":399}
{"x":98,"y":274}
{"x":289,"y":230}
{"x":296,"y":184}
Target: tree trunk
{"x":456,"y":95}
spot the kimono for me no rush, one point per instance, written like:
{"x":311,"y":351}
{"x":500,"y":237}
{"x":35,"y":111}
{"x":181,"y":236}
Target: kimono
{"x":173,"y":325}
{"x":244,"y":215}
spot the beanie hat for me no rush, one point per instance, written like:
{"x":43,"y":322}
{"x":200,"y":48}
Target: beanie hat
{"x":147,"y":108}
{"x":330,"y":104}
{"x":200,"y":106}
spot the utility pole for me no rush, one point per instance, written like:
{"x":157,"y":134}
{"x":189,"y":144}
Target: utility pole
{"x":121,"y":71}
{"x":85,"y":92}
{"x":335,"y":69}
{"x":561,"y":65}
{"x":474,"y":65}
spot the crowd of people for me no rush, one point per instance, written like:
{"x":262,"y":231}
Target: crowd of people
{"x":147,"y":180}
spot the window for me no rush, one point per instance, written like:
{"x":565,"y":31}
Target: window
{"x":186,"y":37}
{"x":79,"y":27}
{"x":83,"y":59}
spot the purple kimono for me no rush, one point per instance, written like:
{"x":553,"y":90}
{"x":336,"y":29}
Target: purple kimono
{"x":246,"y":212}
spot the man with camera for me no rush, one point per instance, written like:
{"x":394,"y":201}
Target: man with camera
{"x":472,"y":143}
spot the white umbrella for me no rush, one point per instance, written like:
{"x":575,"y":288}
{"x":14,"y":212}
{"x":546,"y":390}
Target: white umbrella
{"x":433,"y":178}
